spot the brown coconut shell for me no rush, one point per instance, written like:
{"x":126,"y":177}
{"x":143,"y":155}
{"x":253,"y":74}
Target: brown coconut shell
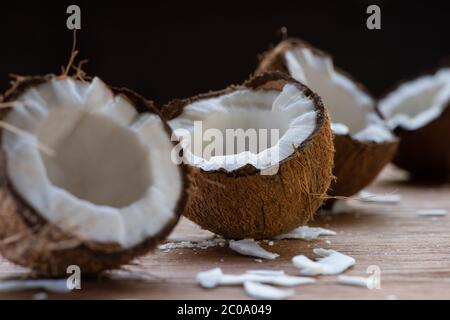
{"x":425,"y":152}
{"x":246,"y":204}
{"x":27,"y":239}
{"x":356,"y":163}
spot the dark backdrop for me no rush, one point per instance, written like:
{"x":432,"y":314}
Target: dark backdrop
{"x":180,"y":48}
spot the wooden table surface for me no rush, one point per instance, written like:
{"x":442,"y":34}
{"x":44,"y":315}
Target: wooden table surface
{"x":412,"y":252}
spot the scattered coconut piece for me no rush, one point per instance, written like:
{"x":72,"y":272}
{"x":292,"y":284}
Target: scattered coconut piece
{"x":215,"y":277}
{"x":306,"y":233}
{"x":330,"y":262}
{"x":339,"y":128}
{"x":250,"y":247}
{"x":258,"y":260}
{"x":50,"y":285}
{"x":368,"y":282}
{"x":336,"y":207}
{"x":263,"y":291}
{"x":432,"y":212}
{"x":367,"y":196}
{"x":192,"y":244}
{"x":266,"y":272}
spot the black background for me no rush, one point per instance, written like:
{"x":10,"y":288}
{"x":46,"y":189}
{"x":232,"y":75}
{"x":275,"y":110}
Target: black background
{"x":178,"y":49}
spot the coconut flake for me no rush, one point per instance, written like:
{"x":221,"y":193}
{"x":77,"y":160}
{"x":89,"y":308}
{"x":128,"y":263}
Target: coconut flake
{"x":367,"y":196}
{"x":192,"y":244}
{"x":266,"y":272}
{"x":339,"y":206}
{"x":215,"y":277}
{"x":368,"y":282}
{"x":306,"y":233}
{"x":339,"y":128}
{"x":250,"y":247}
{"x":263,"y":291}
{"x":330,"y":262}
{"x":431,"y":212}
{"x":50,"y":285}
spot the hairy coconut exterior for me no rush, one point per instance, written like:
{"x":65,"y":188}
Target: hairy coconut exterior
{"x":425,"y":152}
{"x":27,"y":239}
{"x":356,"y":163}
{"x":246,"y":204}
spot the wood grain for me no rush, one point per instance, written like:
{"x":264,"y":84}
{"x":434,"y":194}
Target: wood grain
{"x":412,"y":252}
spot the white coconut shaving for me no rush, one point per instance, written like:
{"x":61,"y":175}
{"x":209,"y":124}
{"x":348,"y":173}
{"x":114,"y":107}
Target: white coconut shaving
{"x":338,"y":207}
{"x":365,"y":282}
{"x":339,"y":128}
{"x":432,"y":212}
{"x":367,"y":196}
{"x":266,"y":292}
{"x":266,"y":272}
{"x":250,"y":247}
{"x":49,"y":285}
{"x":306,"y":233}
{"x":215,"y":277}
{"x":205,"y":244}
{"x":330,"y":262}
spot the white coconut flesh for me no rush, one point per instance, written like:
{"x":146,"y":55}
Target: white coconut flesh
{"x":109,"y":179}
{"x":351,"y":109}
{"x":416,"y":103}
{"x":281,"y":121}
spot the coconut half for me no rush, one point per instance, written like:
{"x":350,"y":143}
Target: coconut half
{"x":419,"y":113}
{"x":249,"y":191}
{"x":107,"y":191}
{"x":363,"y":143}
